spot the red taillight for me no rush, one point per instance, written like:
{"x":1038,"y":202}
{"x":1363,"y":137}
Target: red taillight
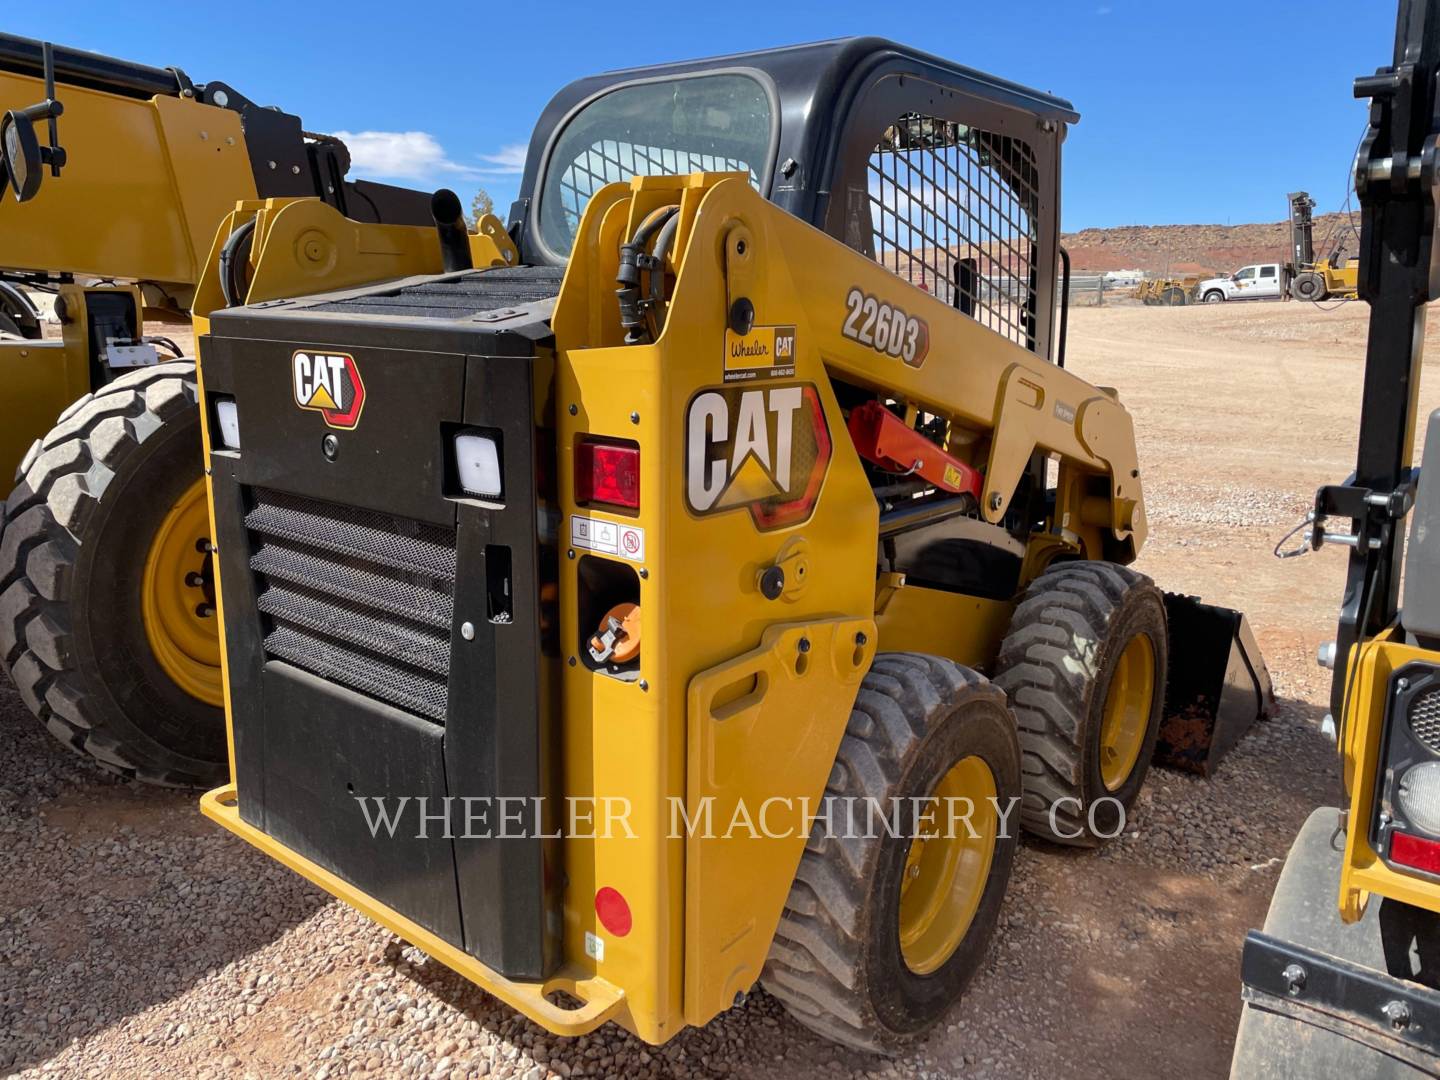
{"x":1415,"y":852}
{"x":607,"y":472}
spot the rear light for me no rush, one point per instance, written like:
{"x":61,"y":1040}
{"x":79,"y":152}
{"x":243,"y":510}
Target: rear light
{"x":477,"y":465}
{"x":1419,"y":797}
{"x":608,"y":473}
{"x":227,"y":419}
{"x":1415,"y":852}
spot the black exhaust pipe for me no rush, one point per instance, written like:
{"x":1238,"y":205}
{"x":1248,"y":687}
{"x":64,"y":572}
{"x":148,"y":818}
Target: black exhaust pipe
{"x":454,"y":236}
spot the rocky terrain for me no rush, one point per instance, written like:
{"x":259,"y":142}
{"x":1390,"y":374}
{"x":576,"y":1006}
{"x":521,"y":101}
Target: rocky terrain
{"x":1197,"y":249}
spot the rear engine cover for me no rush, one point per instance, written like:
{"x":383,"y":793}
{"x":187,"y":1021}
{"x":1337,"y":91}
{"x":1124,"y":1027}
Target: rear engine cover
{"x":390,"y":664}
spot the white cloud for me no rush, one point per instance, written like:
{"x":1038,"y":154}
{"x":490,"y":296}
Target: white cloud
{"x":418,"y":155}
{"x":508,"y":161}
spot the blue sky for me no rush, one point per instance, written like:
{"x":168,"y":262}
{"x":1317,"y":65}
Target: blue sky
{"x":1189,"y":112}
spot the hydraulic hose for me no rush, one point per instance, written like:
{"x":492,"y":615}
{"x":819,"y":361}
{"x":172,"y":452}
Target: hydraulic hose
{"x":663,"y":244}
{"x":233,"y":256}
{"x":633,"y":259}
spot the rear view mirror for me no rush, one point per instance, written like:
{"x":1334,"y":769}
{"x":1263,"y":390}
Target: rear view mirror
{"x":21,"y":155}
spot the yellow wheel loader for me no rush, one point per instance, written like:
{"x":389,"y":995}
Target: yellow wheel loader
{"x":1344,"y":979}
{"x":122,"y":172}
{"x":667,"y":595}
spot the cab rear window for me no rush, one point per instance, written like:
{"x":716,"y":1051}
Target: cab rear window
{"x":708,"y":123}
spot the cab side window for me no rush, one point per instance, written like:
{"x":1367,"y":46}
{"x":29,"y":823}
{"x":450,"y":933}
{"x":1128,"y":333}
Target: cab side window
{"x":1267,"y":271}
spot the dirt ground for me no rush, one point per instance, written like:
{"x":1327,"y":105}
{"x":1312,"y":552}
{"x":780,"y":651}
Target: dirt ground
{"x":136,"y":938}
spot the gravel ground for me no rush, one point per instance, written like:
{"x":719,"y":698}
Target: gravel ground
{"x":137,"y":938}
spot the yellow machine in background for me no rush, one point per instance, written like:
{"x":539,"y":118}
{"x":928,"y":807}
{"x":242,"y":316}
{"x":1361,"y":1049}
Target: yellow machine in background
{"x":1333,"y":276}
{"x":679,"y":505}
{"x":116,"y":177}
{"x":1171,"y":292}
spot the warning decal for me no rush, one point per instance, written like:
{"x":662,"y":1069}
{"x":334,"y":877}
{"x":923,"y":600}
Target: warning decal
{"x":607,"y":537}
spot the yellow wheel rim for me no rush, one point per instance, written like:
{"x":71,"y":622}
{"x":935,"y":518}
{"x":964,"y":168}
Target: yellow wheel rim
{"x":177,"y":598}
{"x":947,"y":866}
{"x":1127,"y":712}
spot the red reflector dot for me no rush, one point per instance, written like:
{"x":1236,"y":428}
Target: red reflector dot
{"x":613,"y":911}
{"x":1415,"y":852}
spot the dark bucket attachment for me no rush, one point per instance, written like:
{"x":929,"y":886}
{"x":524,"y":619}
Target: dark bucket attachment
{"x":1216,"y":688}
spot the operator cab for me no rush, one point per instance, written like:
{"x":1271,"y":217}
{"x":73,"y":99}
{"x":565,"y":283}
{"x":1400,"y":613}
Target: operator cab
{"x":947,"y":176}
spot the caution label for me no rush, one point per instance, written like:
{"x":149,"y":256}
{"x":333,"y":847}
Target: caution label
{"x":607,"y":537}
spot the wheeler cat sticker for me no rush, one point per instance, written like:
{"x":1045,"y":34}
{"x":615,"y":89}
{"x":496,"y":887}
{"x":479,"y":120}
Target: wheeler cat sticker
{"x":885,"y":328}
{"x":330,"y":384}
{"x":766,"y":352}
{"x":765,"y":449}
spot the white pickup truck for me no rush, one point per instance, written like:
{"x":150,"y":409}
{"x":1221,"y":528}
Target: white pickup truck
{"x":1263,"y":281}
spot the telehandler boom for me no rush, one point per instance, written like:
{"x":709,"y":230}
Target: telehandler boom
{"x":120,"y":174}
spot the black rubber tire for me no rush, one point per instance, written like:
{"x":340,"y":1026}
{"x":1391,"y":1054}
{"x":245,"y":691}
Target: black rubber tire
{"x":1068,"y":631}
{"x":1174,"y":297}
{"x":76,"y":532}
{"x":1214,"y":296}
{"x":1308,"y":286}
{"x":836,"y":962}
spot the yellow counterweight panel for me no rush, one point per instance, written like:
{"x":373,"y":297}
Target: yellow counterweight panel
{"x":1341,"y":281}
{"x":144,"y":184}
{"x":1363,"y":872}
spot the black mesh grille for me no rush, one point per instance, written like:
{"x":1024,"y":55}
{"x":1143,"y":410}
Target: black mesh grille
{"x":1425,"y":719}
{"x":356,"y":596}
{"x":953,"y":211}
{"x":458,"y":297}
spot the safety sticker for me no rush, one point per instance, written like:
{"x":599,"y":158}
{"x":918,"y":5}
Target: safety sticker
{"x":594,"y":947}
{"x":607,"y":537}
